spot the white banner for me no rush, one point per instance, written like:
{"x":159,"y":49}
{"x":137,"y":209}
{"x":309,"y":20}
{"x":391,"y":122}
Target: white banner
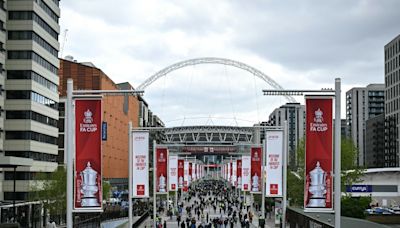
{"x":186,"y":178}
{"x":246,"y":173}
{"x":274,"y":153}
{"x":194,"y":169}
{"x":140,"y":151}
{"x":234,"y":176}
{"x":173,"y":173}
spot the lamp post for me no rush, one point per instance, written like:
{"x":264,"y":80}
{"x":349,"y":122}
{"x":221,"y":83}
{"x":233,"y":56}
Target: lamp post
{"x":337,"y":156}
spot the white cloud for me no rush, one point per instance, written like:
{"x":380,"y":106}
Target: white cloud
{"x":299,"y":44}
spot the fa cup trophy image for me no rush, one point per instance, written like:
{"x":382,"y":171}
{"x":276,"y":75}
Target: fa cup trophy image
{"x":317,"y":187}
{"x":254,"y":183}
{"x":180,"y":182}
{"x":161,"y":184}
{"x":89,"y":187}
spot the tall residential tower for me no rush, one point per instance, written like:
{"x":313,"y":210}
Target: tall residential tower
{"x":29,"y":65}
{"x":392,"y":102}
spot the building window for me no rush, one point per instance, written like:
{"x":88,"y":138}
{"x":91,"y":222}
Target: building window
{"x":30,"y":35}
{"x":31,"y":135}
{"x":32,"y":75}
{"x":13,"y":115}
{"x":27,"y":94}
{"x":35,"y":57}
{"x":37,"y":156}
{"x":29,"y":15}
{"x":47,"y":10}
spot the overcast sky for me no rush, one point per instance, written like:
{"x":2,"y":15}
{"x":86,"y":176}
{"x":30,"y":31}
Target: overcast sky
{"x":299,"y":44}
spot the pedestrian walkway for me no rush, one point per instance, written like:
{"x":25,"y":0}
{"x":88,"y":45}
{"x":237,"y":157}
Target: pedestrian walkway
{"x":171,"y":222}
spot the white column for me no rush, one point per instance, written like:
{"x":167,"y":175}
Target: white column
{"x":338,"y":191}
{"x":69,"y":150}
{"x":130,"y":174}
{"x":285,"y":159}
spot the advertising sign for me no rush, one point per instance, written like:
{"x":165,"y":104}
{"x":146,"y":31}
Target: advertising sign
{"x":194,"y":169}
{"x":274,"y":167}
{"x":239,"y":173}
{"x":246,"y":166}
{"x":88,"y":171}
{"x":234,"y":170}
{"x":180,"y":172}
{"x":358,"y":188}
{"x":256,"y":161}
{"x":186,"y":176}
{"x":190,"y":173}
{"x":318,"y":155}
{"x":140,"y":177}
{"x":161,"y":170}
{"x":173,"y":173}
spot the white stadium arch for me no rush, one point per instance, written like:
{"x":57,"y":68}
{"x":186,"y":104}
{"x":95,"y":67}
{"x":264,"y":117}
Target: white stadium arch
{"x":213,"y":60}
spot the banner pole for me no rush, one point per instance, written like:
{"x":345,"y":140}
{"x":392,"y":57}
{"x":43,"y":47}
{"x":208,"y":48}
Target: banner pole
{"x":154,"y":185}
{"x":263,"y":179}
{"x":338,"y":191}
{"x":69,"y":144}
{"x":285,"y":162}
{"x":130,"y":174}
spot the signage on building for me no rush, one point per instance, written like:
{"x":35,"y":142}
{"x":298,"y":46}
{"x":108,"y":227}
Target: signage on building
{"x":358,"y":188}
{"x":88,"y":157}
{"x":209,"y":149}
{"x":274,"y":167}
{"x":140,"y":164}
{"x":318,"y":154}
{"x":104,"y":131}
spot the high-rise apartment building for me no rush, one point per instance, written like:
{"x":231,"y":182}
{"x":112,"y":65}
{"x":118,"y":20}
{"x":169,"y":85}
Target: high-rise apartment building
{"x":392,"y":102}
{"x":362,"y":103}
{"x":28,"y":92}
{"x":375,"y":142}
{"x":294,"y":113}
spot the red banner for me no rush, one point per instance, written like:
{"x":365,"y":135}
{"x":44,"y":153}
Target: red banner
{"x":180,"y":172}
{"x":161,"y":174}
{"x":239,"y":173}
{"x":256,"y":159}
{"x":88,"y":173}
{"x":190,"y":173}
{"x":319,"y":150}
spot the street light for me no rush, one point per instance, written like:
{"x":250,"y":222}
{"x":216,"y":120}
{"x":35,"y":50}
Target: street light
{"x":337,"y":169}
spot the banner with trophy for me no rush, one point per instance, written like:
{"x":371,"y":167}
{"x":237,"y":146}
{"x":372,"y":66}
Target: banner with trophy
{"x":274,"y":166}
{"x":161,"y":170}
{"x":87,"y":168}
{"x":239,"y":173}
{"x":318,"y":154}
{"x":194,"y":169}
{"x":186,"y":176}
{"x":190,"y":180}
{"x":234,"y":170}
{"x":246,"y":166}
{"x":180,"y":173}
{"x":173,"y":173}
{"x":256,"y":161}
{"x":140,"y":167}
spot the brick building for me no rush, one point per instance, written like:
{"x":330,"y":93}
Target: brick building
{"x":117,"y":112}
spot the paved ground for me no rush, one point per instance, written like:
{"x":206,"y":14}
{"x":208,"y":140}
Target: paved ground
{"x":172,"y":223}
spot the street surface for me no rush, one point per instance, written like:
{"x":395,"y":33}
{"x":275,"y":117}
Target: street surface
{"x":221,"y":204}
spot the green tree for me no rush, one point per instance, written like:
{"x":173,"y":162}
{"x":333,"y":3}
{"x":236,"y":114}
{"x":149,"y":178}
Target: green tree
{"x":106,"y":190}
{"x":50,"y":189}
{"x":351,"y":173}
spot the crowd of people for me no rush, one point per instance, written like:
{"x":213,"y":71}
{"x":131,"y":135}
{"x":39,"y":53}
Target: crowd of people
{"x":211,"y":203}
